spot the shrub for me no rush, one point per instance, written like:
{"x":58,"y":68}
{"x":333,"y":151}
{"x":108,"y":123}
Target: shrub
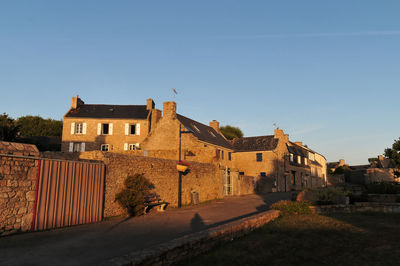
{"x":132,"y":197}
{"x":292,"y":207}
{"x":327,"y":196}
{"x":383,"y":188}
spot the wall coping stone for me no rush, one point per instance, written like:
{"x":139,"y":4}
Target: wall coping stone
{"x":193,"y":244}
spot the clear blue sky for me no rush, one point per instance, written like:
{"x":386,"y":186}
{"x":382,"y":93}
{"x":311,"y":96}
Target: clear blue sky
{"x":327,"y":72}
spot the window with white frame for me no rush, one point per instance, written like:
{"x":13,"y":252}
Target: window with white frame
{"x":77,"y":147}
{"x":132,"y":147}
{"x":105,"y":147}
{"x":78,"y":128}
{"x":132,"y":129}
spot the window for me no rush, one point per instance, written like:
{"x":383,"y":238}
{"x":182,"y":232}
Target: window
{"x":291,"y":157}
{"x":263,"y":174}
{"x":259,"y":157}
{"x":77,"y":147}
{"x":222,"y":155}
{"x":195,"y":127}
{"x":78,"y":128}
{"x":217,"y":153}
{"x":305,"y":161}
{"x":132,"y":129}
{"x":229,"y":156}
{"x":132,"y":147}
{"x":105,"y":147}
{"x":299,"y":159}
{"x":241,"y":173}
{"x":105,"y":129}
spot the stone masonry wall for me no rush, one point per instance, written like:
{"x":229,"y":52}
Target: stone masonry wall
{"x":17,"y":193}
{"x":205,"y":179}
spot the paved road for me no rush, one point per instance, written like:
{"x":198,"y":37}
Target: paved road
{"x":92,"y":243}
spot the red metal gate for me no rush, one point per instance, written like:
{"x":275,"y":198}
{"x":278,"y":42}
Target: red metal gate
{"x":68,"y":193}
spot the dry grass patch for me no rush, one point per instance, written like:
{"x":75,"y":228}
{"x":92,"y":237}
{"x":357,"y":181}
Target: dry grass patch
{"x":339,"y":239}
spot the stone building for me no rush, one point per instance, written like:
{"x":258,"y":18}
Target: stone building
{"x":89,"y":127}
{"x":273,"y":163}
{"x":277,"y":163}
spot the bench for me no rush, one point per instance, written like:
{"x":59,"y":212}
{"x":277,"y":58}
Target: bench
{"x":153,"y":200}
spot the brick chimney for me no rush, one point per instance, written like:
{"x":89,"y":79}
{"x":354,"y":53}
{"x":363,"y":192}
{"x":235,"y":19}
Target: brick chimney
{"x":76,"y":102}
{"x":215,"y":125}
{"x":150,"y":104}
{"x":341,"y":162}
{"x":169,"y":110}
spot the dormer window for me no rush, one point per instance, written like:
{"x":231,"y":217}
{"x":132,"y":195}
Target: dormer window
{"x":196,"y":128}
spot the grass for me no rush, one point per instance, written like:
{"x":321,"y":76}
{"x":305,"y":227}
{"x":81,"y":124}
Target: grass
{"x":337,"y":239}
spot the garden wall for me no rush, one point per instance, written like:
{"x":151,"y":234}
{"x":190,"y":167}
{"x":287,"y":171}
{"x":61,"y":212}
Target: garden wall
{"x":18,"y":170}
{"x":206,"y":179}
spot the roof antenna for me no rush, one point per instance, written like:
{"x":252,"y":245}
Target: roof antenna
{"x":174,"y":92}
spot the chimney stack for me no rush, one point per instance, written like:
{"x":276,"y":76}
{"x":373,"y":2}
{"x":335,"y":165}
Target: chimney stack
{"x":215,"y":125}
{"x":169,"y":109}
{"x":76,"y":102}
{"x":150,"y":104}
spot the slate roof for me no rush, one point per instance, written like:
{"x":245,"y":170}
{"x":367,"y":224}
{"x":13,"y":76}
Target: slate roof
{"x":297,"y":150}
{"x":109,"y":111}
{"x":203,"y":132}
{"x":260,"y":143}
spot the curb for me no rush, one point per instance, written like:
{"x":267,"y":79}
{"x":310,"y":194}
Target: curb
{"x":193,"y":244}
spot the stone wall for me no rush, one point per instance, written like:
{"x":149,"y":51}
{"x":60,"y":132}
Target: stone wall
{"x":358,"y":207}
{"x":243,"y":185}
{"x":17,"y":193}
{"x":205,"y":179}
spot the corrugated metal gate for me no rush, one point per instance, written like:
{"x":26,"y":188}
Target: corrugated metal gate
{"x":68,"y":193}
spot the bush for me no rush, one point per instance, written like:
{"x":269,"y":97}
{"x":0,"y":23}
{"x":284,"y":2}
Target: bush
{"x":383,"y":188}
{"x":133,"y":196}
{"x":292,"y":207}
{"x":327,"y":196}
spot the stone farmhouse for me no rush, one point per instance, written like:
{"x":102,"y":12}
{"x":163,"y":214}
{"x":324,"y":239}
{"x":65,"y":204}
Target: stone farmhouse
{"x":273,"y":162}
{"x":116,"y":128}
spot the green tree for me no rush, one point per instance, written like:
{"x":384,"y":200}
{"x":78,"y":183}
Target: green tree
{"x":8,"y":128}
{"x":394,"y":154}
{"x":132,"y":197}
{"x":34,"y":126}
{"x":231,"y":132}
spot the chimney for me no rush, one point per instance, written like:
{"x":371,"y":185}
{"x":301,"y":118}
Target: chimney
{"x":155,"y":117}
{"x":76,"y":102}
{"x":150,"y":104}
{"x":278,"y":134}
{"x":341,"y":162}
{"x":215,"y":125}
{"x":380,"y":157}
{"x":169,"y":110}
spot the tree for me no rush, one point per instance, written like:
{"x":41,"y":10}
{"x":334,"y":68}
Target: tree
{"x":34,"y":126}
{"x":231,"y":132}
{"x":8,"y":129}
{"x":394,"y":154}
